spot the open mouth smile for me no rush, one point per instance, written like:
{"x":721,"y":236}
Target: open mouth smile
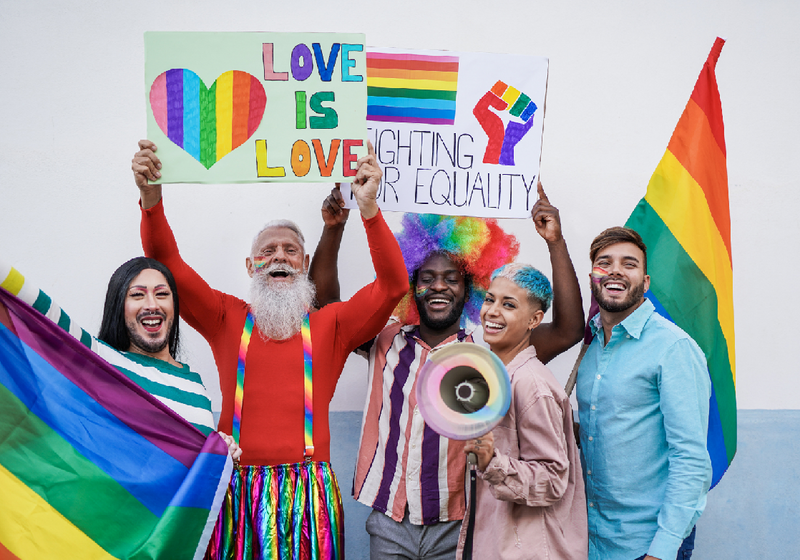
{"x":492,"y":327}
{"x":152,"y":323}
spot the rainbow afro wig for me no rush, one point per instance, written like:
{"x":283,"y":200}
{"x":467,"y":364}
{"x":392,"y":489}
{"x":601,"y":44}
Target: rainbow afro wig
{"x":478,"y":245}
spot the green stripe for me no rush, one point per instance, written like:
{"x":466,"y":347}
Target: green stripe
{"x":413,"y":93}
{"x":176,"y":530}
{"x":690,"y":299}
{"x":63,"y":321}
{"x":86,"y":339}
{"x":42,"y":303}
{"x":73,"y":485}
{"x":160,"y":390}
{"x":208,"y":126}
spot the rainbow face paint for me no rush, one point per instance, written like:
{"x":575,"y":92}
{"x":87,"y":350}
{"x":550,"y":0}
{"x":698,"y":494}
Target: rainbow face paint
{"x":598,"y":274}
{"x":421,"y":291}
{"x":260,"y":262}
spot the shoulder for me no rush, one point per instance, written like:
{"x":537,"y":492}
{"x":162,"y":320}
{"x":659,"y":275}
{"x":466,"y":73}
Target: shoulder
{"x":532,"y":380}
{"x":669,"y":335}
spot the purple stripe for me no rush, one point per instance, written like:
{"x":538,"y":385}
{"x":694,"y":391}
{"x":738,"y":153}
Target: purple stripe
{"x":112,"y":390}
{"x":396,"y":398}
{"x":175,"y":105}
{"x":398,"y":118}
{"x":429,"y":476}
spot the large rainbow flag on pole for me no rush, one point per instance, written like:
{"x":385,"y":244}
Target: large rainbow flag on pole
{"x":685,"y":222}
{"x":91,"y":465}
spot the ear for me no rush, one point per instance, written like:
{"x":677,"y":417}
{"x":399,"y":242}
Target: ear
{"x":250,"y":269}
{"x":306,"y":263}
{"x":646,"y":282}
{"x":536,"y":319}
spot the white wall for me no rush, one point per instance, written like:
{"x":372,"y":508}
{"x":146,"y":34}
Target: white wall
{"x":72,"y":106}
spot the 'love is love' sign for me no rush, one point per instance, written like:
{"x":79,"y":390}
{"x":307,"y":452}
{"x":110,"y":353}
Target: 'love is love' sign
{"x":248,"y":107}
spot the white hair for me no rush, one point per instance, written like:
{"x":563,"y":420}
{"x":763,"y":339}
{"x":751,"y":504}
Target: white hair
{"x":288,"y":224}
{"x":279,"y":308}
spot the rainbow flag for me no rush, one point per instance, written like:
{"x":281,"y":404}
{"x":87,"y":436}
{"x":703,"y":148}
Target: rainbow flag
{"x":91,"y":465}
{"x":685,"y":222}
{"x":411,"y":88}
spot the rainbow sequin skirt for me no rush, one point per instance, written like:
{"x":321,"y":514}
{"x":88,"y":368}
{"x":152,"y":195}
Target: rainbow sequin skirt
{"x":285,"y":512}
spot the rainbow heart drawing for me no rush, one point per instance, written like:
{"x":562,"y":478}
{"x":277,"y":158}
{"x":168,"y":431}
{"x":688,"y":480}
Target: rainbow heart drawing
{"x":207,"y":123}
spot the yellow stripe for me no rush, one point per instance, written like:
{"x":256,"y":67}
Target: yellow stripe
{"x":31,"y":528}
{"x":224,"y":114}
{"x":411,"y":84}
{"x":680,"y":202}
{"x":13,"y":281}
{"x":511,"y":95}
{"x":413,"y":74}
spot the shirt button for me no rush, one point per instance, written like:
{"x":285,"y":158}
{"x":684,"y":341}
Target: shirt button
{"x":591,"y":504}
{"x":413,"y":446}
{"x":589,"y":473}
{"x":627,"y":336}
{"x":599,"y":376}
{"x":594,"y":407}
{"x":591,"y":438}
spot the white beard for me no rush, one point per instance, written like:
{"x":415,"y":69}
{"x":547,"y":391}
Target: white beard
{"x":279,"y":307}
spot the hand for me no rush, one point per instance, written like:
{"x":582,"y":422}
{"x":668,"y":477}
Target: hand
{"x":502,"y":139}
{"x":545,"y":218}
{"x":365,"y":185}
{"x":333,"y":211}
{"x":233,"y":448}
{"x":145,"y":165}
{"x":483,"y":447}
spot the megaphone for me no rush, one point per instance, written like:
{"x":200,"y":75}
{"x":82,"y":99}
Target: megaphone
{"x":463,"y":391}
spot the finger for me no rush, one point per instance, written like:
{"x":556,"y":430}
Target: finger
{"x":540,"y":190}
{"x":338,"y":187}
{"x":337,"y":197}
{"x":370,"y":148}
{"x":331,"y":207}
{"x":147,"y":145}
{"x":145,"y":166}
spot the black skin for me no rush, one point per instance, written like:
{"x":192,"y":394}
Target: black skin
{"x":550,"y":339}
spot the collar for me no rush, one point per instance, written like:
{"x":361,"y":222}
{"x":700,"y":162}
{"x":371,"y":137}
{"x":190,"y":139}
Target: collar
{"x":633,"y":324}
{"x":412,"y":331}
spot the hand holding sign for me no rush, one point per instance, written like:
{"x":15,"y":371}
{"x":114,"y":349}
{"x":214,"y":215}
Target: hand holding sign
{"x":365,"y":185}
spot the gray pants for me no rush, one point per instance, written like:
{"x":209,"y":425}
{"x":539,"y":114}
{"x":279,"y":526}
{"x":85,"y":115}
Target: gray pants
{"x":390,"y":540}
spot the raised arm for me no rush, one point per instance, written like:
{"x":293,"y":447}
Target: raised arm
{"x":324,"y":269}
{"x":566,"y":329}
{"x":201,"y":306}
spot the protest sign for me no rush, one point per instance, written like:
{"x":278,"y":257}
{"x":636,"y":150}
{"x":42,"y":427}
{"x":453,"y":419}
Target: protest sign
{"x":249,"y":107}
{"x":456,"y":133}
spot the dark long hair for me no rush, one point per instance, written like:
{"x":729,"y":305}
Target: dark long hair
{"x":113,"y":330}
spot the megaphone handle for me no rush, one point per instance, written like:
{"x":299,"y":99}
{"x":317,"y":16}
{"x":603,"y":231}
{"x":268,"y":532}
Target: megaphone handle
{"x":472,"y":459}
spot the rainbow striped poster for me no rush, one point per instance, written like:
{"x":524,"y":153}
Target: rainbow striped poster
{"x":456,"y":133}
{"x":250,"y":107}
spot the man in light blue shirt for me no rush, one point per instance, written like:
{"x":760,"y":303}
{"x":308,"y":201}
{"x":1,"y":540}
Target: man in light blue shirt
{"x":643,"y":393}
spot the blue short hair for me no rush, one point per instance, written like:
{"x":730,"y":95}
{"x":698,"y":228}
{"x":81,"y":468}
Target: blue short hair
{"x":530,"y":279}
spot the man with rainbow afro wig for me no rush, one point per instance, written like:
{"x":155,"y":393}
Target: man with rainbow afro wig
{"x":412,"y":478}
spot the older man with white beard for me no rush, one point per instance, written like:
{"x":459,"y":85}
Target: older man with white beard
{"x":279,"y":361}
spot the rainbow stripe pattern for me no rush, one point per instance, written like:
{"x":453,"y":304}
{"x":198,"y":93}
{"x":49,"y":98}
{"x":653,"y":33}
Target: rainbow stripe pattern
{"x":684,"y":220}
{"x":91,"y":465}
{"x":435,"y":411}
{"x":238,"y":397}
{"x":308,"y":388}
{"x":291,"y":511}
{"x":411,"y":88}
{"x":208,"y":123}
{"x":516,"y":103}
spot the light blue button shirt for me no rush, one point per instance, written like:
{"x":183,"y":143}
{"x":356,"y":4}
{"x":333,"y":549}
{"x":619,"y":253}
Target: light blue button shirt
{"x":643,"y":406}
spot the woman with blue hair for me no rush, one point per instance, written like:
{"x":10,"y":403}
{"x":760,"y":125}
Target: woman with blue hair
{"x":530,"y":501}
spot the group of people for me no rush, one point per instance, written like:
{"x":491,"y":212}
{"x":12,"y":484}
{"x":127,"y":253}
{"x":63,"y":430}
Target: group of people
{"x":631,"y":485}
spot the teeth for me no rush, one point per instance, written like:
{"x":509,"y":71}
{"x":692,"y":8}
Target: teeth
{"x":151,"y":322}
{"x":437,"y":300}
{"x":615,"y":286}
{"x":493,"y":325}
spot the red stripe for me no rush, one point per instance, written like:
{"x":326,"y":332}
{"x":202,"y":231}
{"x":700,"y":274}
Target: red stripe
{"x":241,"y":108}
{"x":412,"y":65}
{"x":5,"y":554}
{"x":258,"y":100}
{"x":695,"y":147}
{"x":706,"y":94}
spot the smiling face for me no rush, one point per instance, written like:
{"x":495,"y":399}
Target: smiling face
{"x":149,"y":314}
{"x":278,"y":253}
{"x":618,"y":279}
{"x":508,"y":316}
{"x":440,"y":293}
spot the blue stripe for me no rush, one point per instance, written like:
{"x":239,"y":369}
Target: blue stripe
{"x":416,"y":112}
{"x":191,"y":114}
{"x":199,"y":487}
{"x":445,"y":104}
{"x":93,"y":431}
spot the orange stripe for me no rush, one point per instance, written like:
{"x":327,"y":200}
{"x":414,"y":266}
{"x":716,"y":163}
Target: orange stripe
{"x":694,"y":146}
{"x":241,"y":108}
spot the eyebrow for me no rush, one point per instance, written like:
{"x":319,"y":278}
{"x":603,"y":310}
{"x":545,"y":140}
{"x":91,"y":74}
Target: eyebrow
{"x":625,"y":258}
{"x":143,"y":287}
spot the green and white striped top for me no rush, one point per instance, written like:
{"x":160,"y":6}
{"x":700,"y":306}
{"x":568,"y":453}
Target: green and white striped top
{"x":179,"y":388}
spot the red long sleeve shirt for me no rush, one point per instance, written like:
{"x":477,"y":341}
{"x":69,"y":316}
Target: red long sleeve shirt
{"x":272,"y":410}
